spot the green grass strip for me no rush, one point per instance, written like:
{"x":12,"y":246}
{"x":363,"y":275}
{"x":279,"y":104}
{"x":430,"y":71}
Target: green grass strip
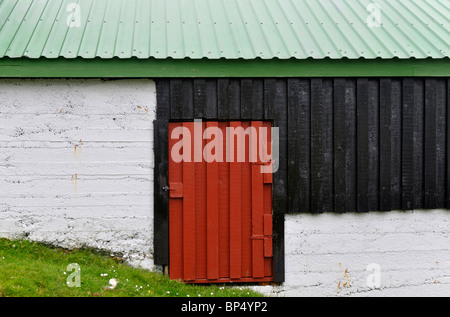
{"x":29,"y":269}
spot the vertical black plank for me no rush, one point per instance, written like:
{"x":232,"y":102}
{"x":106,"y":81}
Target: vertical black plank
{"x":430,"y":144}
{"x":328,"y":104}
{"x":350,"y":150}
{"x":280,"y":179}
{"x":340,"y":146}
{"x":299,"y":144}
{"x":163,"y":99}
{"x":199,"y":103}
{"x":408,"y":145}
{"x":205,"y":98}
{"x":228,"y":99}
{"x":448,"y":145}
{"x":257,"y":99}
{"x":278,"y":248}
{"x":246,"y":99}
{"x":385,"y":144}
{"x":418,"y":142}
{"x":321,"y":145}
{"x":373,"y":118}
{"x":188,"y":99}
{"x":362,"y":144}
{"x":161,"y":198}
{"x":234,"y":100}
{"x":211,"y":99}
{"x":269,"y":98}
{"x":396,"y":143}
{"x":181,"y":99}
{"x":276,"y":110}
{"x":441,"y":130}
{"x":176,"y":99}
{"x":280,"y":182}
{"x":222,"y":99}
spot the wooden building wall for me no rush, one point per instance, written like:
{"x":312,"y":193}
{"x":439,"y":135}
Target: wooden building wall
{"x":346,"y":144}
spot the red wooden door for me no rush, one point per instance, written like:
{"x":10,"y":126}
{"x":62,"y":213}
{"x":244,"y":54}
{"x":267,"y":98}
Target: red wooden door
{"x":220,"y":202}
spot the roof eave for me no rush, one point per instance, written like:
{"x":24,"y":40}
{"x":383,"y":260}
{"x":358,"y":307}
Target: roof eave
{"x":178,"y":68}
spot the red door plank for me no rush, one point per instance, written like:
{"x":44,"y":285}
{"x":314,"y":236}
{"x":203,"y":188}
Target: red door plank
{"x":235,"y":214}
{"x":268,"y":256}
{"x":189,"y":211}
{"x":220,"y":213}
{"x":268,"y":235}
{"x":268,"y":243}
{"x":268,"y":224}
{"x":212,"y":211}
{"x":257,"y":215}
{"x":200,"y":215}
{"x":246,"y":209}
{"x":175,"y":221}
{"x":267,"y":152}
{"x":224,"y":211}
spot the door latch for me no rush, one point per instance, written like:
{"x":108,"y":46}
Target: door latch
{"x":175,"y":190}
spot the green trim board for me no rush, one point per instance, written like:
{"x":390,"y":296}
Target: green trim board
{"x":190,"y":68}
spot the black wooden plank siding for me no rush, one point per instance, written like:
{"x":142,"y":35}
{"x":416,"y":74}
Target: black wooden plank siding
{"x":199,"y":102}
{"x":362,"y":144}
{"x":390,"y":145}
{"x":321,"y":146}
{"x":419,"y":109}
{"x":211,"y":99}
{"x":161,"y":175}
{"x":396,"y":144}
{"x":346,"y":144}
{"x":448,"y":147}
{"x":299,"y":127}
{"x":408,"y":144}
{"x":340,"y":142}
{"x":385,"y":143}
{"x":280,"y":193}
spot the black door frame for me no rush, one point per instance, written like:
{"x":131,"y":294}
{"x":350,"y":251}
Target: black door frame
{"x":219,"y":99}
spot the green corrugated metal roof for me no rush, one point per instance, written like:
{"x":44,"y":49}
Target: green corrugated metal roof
{"x":228,"y":29}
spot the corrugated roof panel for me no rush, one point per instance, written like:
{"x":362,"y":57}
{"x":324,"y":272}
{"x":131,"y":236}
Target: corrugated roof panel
{"x":206,"y":31}
{"x":141,"y":38}
{"x":27,"y":27}
{"x":225,"y":29}
{"x":42,"y":31}
{"x":58,"y":32}
{"x":15,"y":13}
{"x":225,"y":39}
{"x":259,"y":43}
{"x":74,"y":35}
{"x":108,"y":36}
{"x":92,"y":31}
{"x":159,"y":37}
{"x":289,"y":44}
{"x":174,"y":29}
{"x":126,"y":30}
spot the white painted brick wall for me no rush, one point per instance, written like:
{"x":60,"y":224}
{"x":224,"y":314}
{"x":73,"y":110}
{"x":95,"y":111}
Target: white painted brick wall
{"x":76,"y":164}
{"x":412,"y":249}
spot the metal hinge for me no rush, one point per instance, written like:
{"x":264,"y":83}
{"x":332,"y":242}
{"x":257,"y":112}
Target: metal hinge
{"x":260,"y":237}
{"x":267,"y":246}
{"x":262,"y":163}
{"x":175,"y":190}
